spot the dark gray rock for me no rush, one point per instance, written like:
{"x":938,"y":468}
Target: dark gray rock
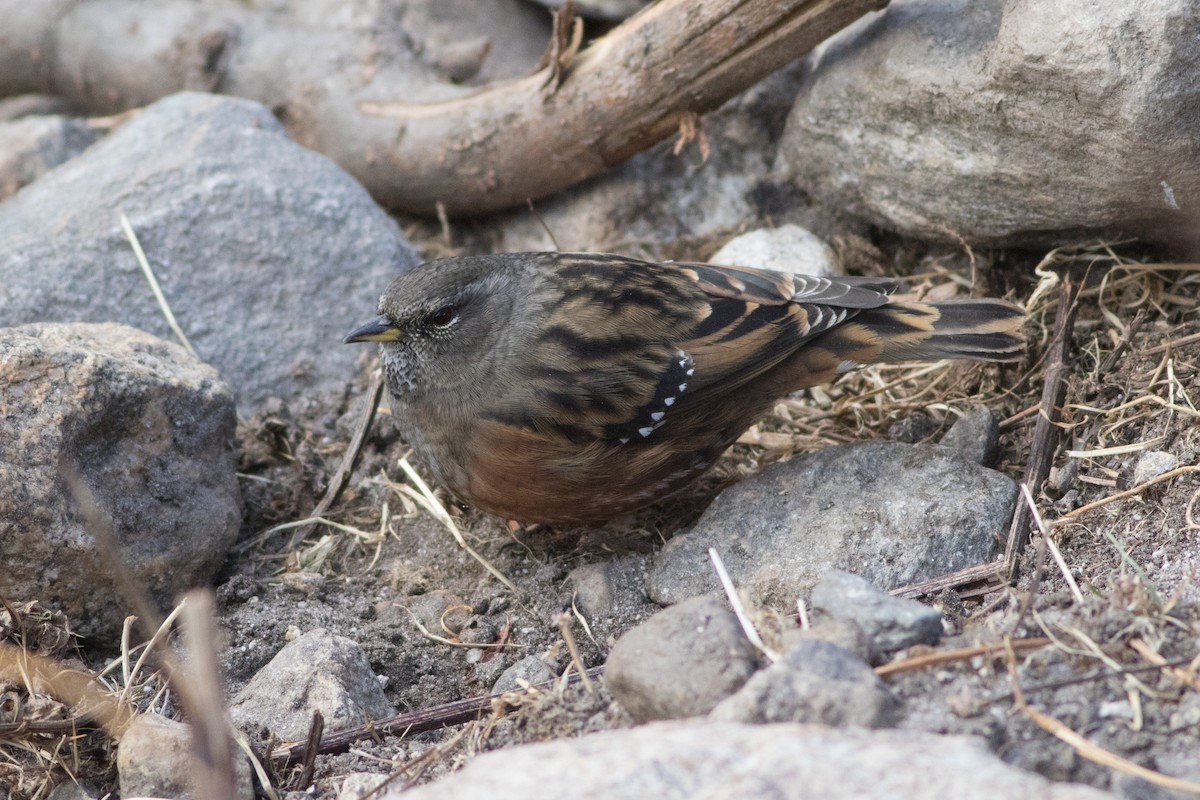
{"x":530,"y":669}
{"x":157,"y":758}
{"x":724,"y":761}
{"x":317,"y":672}
{"x":611,"y":594}
{"x":681,"y":662}
{"x":891,"y":623}
{"x":976,"y":435}
{"x":267,"y":253}
{"x":69,"y":790}
{"x":935,"y":117}
{"x":150,"y":430}
{"x":891,"y":512}
{"x":32,"y":146}
{"x":814,"y":682}
{"x":844,"y":633}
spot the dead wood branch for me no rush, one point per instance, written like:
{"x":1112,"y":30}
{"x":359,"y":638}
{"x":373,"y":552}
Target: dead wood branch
{"x":340,"y":95}
{"x":411,"y":723}
{"x":1046,"y":431}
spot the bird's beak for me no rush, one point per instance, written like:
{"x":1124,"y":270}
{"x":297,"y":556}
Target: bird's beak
{"x":379,"y":329}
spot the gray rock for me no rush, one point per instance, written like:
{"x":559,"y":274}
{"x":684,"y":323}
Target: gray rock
{"x":36,"y":105}
{"x":788,"y":248}
{"x":156,"y":758}
{"x":814,"y":682}
{"x":844,"y":633}
{"x":479,"y":630}
{"x":267,"y":253}
{"x":32,"y":146}
{"x":530,"y":669}
{"x":976,"y":435}
{"x":602,"y":9}
{"x":1153,"y":463}
{"x":360,"y":785}
{"x":615,"y":587}
{"x":935,"y":117}
{"x":891,"y":623}
{"x":464,"y":40}
{"x":149,"y":429}
{"x":723,"y":761}
{"x":681,"y":662}
{"x":437,"y":611}
{"x":891,"y":512}
{"x":317,"y":672}
{"x":69,"y":790}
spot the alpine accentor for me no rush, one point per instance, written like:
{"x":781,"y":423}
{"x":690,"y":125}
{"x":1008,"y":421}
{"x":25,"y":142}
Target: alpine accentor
{"x":573,"y":387}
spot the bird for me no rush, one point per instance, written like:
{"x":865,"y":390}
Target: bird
{"x":571,"y":388}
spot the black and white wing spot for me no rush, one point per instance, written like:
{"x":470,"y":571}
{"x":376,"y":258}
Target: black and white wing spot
{"x":672,"y":384}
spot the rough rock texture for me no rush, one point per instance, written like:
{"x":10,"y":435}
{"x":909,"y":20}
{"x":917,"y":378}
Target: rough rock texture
{"x":156,"y":758}
{"x":317,"y":672}
{"x":464,"y":40}
{"x":681,"y":662}
{"x":976,"y":435}
{"x":891,"y":623}
{"x":611,"y":593}
{"x":844,"y":633}
{"x":530,"y":670}
{"x":1153,"y":463}
{"x":267,"y":253}
{"x":788,"y":248}
{"x":150,"y":430}
{"x":1007,"y":120}
{"x":720,"y":761}
{"x":893,"y":513}
{"x":814,"y":682}
{"x":69,"y":790}
{"x":32,"y":146}
{"x":360,"y":785}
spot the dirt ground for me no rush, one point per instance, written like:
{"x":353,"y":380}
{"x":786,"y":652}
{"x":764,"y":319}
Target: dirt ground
{"x":1134,"y":602}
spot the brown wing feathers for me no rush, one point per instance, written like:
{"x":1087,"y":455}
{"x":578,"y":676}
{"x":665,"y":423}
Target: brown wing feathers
{"x":679,"y":347}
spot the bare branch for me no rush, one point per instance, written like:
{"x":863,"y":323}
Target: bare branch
{"x":412,"y":140}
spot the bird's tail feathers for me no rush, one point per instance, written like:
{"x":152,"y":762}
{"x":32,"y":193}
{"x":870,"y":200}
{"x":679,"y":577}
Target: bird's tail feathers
{"x":983,"y":330}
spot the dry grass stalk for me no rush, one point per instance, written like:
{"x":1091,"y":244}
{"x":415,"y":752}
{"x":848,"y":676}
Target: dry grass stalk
{"x":159,"y":297}
{"x":735,"y":601}
{"x":1050,"y":545}
{"x":564,"y":627}
{"x":426,"y":498}
{"x":1136,"y":490}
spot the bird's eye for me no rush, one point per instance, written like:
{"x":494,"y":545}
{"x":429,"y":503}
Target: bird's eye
{"x":443,"y":317}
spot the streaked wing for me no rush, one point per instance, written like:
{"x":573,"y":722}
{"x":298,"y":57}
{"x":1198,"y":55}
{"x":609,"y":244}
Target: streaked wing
{"x":760,"y":317}
{"x":630,"y":342}
{"x":606,"y":367}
